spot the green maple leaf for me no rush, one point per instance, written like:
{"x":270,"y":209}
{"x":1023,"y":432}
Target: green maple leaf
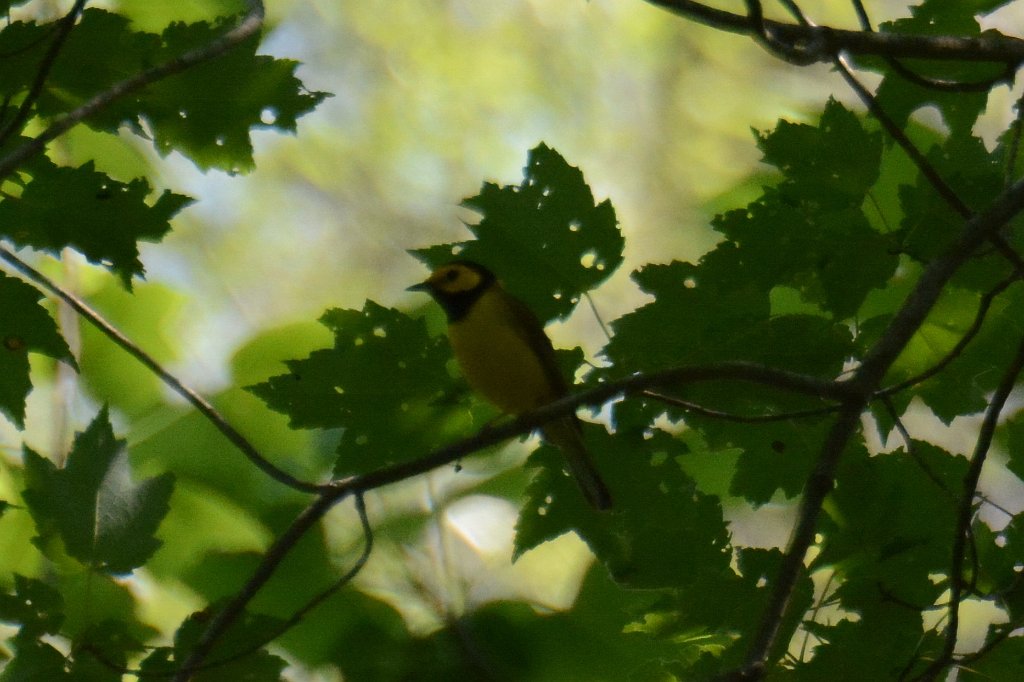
{"x":25,"y":326}
{"x":105,"y":519}
{"x":87,"y":210}
{"x":545,"y":238}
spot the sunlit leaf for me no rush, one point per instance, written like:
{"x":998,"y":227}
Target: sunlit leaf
{"x":105,"y":519}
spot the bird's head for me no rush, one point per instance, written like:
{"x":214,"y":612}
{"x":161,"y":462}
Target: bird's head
{"x":456,"y":286}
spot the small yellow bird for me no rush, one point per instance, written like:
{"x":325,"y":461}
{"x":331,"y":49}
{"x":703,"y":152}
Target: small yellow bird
{"x":508,"y":359}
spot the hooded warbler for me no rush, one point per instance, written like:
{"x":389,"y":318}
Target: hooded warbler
{"x":507,"y":358}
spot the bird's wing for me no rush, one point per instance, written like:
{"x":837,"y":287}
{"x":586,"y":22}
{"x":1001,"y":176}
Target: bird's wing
{"x":533,"y":333}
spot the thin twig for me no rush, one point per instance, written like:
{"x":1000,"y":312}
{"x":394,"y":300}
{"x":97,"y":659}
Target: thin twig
{"x":908,"y":444}
{"x":979,"y":318}
{"x":250,"y":25}
{"x":64,"y":27}
{"x":966,"y":511}
{"x":741,"y":418}
{"x":923,"y":165}
{"x":821,"y":603}
{"x":346,"y":578}
{"x":794,"y":53}
{"x":197,"y":401}
{"x":313,"y":603}
{"x":597,"y":315}
{"x":862,"y":15}
{"x":271,"y":560}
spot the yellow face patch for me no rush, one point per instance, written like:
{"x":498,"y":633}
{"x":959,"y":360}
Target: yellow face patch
{"x":454,"y":278}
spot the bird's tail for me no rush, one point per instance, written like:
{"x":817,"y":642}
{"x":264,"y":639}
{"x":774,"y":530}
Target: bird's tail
{"x":568,"y":437}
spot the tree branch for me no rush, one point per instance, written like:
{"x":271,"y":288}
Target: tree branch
{"x":865,"y":379}
{"x":723,"y":371}
{"x":828,"y":42}
{"x":273,"y":558}
{"x":334,"y":492}
{"x":64,"y":27}
{"x":253,"y":585}
{"x":979,"y":318}
{"x":966,"y":512}
{"x":932,"y":83}
{"x":250,"y":24}
{"x":197,"y":401}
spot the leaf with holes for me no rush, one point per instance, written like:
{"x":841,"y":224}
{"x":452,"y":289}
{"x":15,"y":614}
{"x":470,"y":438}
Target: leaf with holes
{"x":379,"y":383}
{"x":545,"y":238}
{"x":94,"y":214}
{"x":35,"y":606}
{"x":206,"y":112}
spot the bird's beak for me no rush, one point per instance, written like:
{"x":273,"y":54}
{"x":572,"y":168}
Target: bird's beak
{"x":422,"y":286}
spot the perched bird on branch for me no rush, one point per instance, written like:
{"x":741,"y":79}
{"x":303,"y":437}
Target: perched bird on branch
{"x":507,"y":358}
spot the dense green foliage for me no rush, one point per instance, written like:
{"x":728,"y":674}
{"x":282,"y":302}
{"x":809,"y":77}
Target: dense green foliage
{"x":121,"y":556}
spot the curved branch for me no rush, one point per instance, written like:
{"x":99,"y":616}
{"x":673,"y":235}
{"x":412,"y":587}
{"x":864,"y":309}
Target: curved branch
{"x":273,"y":558}
{"x":336,"y":491}
{"x":828,"y":42}
{"x":197,"y":401}
{"x":318,"y":599}
{"x":638,"y":383}
{"x":740,"y":418}
{"x":979,"y":318}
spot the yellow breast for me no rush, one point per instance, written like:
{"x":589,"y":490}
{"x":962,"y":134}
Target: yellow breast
{"x":496,"y":357}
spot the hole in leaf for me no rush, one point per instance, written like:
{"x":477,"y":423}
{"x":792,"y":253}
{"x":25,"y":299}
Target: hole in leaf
{"x":14,"y":343}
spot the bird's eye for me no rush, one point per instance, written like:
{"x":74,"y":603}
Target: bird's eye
{"x":451,"y":275}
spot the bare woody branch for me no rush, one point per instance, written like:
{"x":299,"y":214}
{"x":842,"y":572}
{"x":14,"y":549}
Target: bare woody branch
{"x":822,"y":43}
{"x":336,"y":491}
